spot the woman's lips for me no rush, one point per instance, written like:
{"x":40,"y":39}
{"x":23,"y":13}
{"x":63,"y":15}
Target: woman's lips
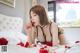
{"x":33,"y":23}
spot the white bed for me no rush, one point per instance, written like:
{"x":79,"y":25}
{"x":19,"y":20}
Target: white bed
{"x":18,"y":49}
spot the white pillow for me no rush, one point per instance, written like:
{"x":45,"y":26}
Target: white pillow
{"x":14,"y":37}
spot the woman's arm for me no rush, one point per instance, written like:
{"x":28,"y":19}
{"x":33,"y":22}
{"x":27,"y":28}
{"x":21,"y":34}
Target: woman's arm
{"x":54,"y":31}
{"x":61,"y":36}
{"x":30,"y":31}
{"x":32,"y":36}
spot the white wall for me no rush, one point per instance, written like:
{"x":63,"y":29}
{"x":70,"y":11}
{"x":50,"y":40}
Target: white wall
{"x":72,"y":34}
{"x":44,"y":3}
{"x":28,"y":5}
{"x":18,"y":11}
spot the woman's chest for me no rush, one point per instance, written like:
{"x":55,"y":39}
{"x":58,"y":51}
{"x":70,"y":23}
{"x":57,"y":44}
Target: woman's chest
{"x":44,"y":33}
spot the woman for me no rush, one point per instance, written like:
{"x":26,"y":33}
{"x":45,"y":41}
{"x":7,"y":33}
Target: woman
{"x":40,"y":28}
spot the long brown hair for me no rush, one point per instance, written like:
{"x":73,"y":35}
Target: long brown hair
{"x":40,"y":11}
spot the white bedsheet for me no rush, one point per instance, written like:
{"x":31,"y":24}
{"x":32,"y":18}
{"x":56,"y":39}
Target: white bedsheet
{"x":18,"y":49}
{"x":13,"y":37}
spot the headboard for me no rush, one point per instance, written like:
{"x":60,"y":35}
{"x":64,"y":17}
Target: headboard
{"x":10,"y":23}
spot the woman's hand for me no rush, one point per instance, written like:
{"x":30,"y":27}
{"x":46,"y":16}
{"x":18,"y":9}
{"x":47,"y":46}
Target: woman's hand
{"x":30,"y":31}
{"x":28,"y":28}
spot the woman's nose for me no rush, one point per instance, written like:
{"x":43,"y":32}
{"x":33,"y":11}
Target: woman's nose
{"x":32,"y":19}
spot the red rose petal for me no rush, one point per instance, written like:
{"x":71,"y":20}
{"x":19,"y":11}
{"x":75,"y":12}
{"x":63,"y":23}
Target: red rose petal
{"x":27,"y":44}
{"x":67,"y":46}
{"x":21,"y":44}
{"x":77,"y":42}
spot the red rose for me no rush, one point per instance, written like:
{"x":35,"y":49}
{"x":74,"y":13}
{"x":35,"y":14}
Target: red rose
{"x":21,"y":44}
{"x":42,"y":50}
{"x":27,"y":44}
{"x":3,"y":41}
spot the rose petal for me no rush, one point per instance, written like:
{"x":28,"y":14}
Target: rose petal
{"x":27,"y":44}
{"x":77,"y":42}
{"x":21,"y":44}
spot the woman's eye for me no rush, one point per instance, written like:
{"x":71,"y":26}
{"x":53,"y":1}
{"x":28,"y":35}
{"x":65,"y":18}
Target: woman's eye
{"x":34,"y":15}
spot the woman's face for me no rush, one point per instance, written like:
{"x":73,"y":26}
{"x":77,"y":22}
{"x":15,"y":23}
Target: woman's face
{"x":35,"y":18}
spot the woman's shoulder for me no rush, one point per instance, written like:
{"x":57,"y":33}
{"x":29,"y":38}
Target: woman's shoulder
{"x":53,"y":23}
